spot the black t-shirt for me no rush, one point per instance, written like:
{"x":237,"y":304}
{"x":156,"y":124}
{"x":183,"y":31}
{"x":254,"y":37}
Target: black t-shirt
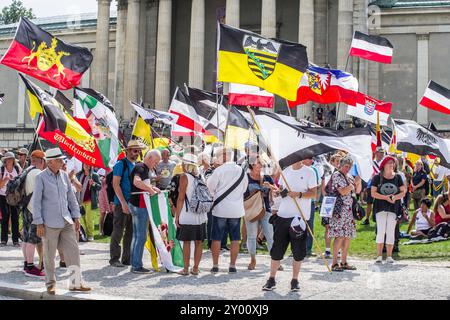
{"x":143,"y":172}
{"x":387,"y":187}
{"x":418,"y":176}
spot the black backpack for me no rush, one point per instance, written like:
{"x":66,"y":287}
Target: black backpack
{"x":15,"y":189}
{"x":109,"y":181}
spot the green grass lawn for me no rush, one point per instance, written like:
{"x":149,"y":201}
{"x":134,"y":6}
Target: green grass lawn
{"x":363,"y":246}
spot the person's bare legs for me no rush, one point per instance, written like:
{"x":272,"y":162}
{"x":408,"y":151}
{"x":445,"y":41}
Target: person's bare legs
{"x":274,"y":265}
{"x":368,"y":210}
{"x":215,"y":251}
{"x":327,"y":238}
{"x":389,"y":249}
{"x":344,"y":250}
{"x":380,"y":249}
{"x":296,"y":269}
{"x":234,"y":250}
{"x":198,"y":251}
{"x":186,"y":255}
{"x":40,"y":252}
{"x":101,"y":219}
{"x":336,"y":246}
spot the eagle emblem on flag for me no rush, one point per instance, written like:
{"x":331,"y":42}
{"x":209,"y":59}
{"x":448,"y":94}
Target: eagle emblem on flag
{"x":369,"y":107}
{"x":262,"y":55}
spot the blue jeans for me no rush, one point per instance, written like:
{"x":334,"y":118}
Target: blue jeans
{"x":309,"y":238}
{"x":140,"y":227}
{"x":252,"y":233}
{"x":221,"y":225}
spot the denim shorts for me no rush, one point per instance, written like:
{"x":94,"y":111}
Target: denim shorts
{"x":222,"y":225}
{"x":29,"y":229}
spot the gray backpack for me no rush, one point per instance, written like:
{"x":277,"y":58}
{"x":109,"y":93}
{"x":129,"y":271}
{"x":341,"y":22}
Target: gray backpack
{"x":201,"y":200}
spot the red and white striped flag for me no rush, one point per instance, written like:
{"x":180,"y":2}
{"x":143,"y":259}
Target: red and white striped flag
{"x":245,"y":95}
{"x":367,"y":108}
{"x":436,"y":97}
{"x":371,"y":47}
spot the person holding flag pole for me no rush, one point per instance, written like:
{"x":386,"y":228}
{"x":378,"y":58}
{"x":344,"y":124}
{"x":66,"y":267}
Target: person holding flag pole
{"x":295,"y":225}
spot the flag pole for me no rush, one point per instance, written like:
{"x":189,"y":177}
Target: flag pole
{"x":287,"y":105}
{"x":339,"y":103}
{"x":289,"y":189}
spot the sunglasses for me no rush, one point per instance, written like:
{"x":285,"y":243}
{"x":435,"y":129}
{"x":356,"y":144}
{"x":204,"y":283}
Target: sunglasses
{"x":135,"y":151}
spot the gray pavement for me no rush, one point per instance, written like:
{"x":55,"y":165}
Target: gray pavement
{"x":402,"y":280}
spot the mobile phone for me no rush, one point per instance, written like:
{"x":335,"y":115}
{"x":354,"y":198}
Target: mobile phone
{"x":284,"y":193}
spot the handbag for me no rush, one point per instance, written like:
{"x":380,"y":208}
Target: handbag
{"x":358,"y":211}
{"x":254,"y":207}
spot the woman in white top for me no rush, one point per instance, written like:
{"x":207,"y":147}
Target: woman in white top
{"x":9,"y":170}
{"x":424,"y":218}
{"x":190,"y":226}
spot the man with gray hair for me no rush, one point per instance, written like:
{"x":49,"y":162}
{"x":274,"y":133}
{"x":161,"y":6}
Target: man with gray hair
{"x":227,"y":185}
{"x":140,"y":179}
{"x":57,"y":216}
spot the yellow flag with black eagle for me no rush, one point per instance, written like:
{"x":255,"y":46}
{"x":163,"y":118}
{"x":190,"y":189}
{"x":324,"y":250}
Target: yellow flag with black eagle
{"x":247,"y":58}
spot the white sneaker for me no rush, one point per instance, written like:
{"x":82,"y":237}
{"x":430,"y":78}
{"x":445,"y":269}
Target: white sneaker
{"x":389,"y":260}
{"x":379,"y":259}
{"x":90,"y":239}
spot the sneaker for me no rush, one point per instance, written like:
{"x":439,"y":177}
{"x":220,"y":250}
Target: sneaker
{"x":390,"y":260}
{"x":270,"y":285}
{"x":232,"y":270}
{"x":140,"y":270}
{"x":126,"y":263}
{"x":90,"y":239}
{"x":117,"y":264}
{"x":295,"y":286}
{"x":366,"y":222}
{"x":379,"y":259}
{"x":225,"y":248}
{"x":62,"y":265}
{"x":34,"y":273}
{"x":327,"y":255}
{"x":214,"y":269}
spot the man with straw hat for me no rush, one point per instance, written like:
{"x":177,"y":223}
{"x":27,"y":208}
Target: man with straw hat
{"x":57,"y":216}
{"x":122,"y":224}
{"x":22,"y":154}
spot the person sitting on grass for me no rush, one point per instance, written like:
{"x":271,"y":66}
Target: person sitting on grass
{"x":424,"y":218}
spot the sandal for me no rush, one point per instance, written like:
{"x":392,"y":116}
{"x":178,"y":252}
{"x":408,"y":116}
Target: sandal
{"x":195,"y":272}
{"x":183,"y":272}
{"x":336,"y":268}
{"x":251,"y":266}
{"x":346,"y":266}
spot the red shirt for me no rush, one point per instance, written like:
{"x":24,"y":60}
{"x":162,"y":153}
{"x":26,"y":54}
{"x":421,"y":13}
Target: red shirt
{"x":437,"y":217}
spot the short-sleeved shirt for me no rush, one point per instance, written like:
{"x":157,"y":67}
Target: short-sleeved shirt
{"x":125,"y":183}
{"x":418,"y":176}
{"x":387,"y":187}
{"x":441,"y":172}
{"x":255,"y":185}
{"x":15,"y":172}
{"x":300,"y":180}
{"x":143,"y":172}
{"x":165,"y":169}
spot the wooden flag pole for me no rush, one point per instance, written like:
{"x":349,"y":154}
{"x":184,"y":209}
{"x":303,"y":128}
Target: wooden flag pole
{"x":289,"y":189}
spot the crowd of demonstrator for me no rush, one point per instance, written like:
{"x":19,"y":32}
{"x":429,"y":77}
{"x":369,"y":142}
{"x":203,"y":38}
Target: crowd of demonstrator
{"x":254,"y":202}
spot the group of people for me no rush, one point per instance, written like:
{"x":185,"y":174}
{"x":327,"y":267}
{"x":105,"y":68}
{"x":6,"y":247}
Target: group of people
{"x":249,"y":200}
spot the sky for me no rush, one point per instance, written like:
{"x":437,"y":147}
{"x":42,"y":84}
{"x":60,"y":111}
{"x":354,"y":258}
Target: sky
{"x":48,"y":8}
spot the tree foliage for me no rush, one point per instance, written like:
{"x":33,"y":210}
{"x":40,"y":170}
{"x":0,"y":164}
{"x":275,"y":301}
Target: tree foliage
{"x":13,"y":12}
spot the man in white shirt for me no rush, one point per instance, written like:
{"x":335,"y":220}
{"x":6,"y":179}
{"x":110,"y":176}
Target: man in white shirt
{"x":302,"y":182}
{"x":227,"y":213}
{"x":439,"y":175}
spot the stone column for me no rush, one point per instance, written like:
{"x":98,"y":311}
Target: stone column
{"x":121,"y":28}
{"x":345,"y":35}
{"x":320,"y":32}
{"x":100,"y":68}
{"x":422,"y":75}
{"x":232,"y":8}
{"x":306,"y":37}
{"x":150,"y":52}
{"x":197,"y":44}
{"x":269,"y":18}
{"x":163,"y":47}
{"x":21,"y":104}
{"x":131,"y":58}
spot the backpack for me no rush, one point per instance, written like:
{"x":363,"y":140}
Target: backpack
{"x":15,"y":189}
{"x":173,"y":189}
{"x":201,"y":200}
{"x":109,"y":181}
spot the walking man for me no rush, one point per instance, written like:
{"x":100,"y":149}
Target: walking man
{"x":57,"y":216}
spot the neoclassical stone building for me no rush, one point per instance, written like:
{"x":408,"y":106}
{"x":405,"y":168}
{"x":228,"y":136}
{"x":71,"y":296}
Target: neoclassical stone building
{"x":143,"y":49}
